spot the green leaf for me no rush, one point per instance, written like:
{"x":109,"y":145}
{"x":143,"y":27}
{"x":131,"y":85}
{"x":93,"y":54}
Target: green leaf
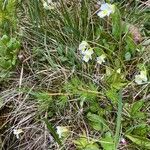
{"x":83,"y":143}
{"x":116,"y":24}
{"x":4,"y":40}
{"x":97,"y":122}
{"x":115,"y":80}
{"x":131,"y":46}
{"x":52,"y":131}
{"x":92,"y":147}
{"x":135,"y":110}
{"x":141,"y":130}
{"x":112,"y":95}
{"x":107,"y":142}
{"x":140,"y":141}
{"x":136,"y":106}
{"x":127,"y":56}
{"x":118,"y":124}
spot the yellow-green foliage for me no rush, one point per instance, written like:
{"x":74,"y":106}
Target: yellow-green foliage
{"x":7,"y":15}
{"x":8,"y":55}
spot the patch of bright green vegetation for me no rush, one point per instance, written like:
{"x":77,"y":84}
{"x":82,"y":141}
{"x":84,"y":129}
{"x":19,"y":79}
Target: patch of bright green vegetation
{"x":8,"y":18}
{"x":9,"y":48}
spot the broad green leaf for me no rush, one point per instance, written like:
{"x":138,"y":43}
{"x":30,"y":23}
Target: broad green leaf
{"x":92,"y":147}
{"x":135,"y":110}
{"x":131,"y":46}
{"x":97,"y":122}
{"x":136,"y":106}
{"x":116,"y":80}
{"x":140,"y":141}
{"x":112,"y":95}
{"x":107,"y":142}
{"x":139,"y":115}
{"x":83,"y":143}
{"x":141,"y":130}
{"x":116,"y":24}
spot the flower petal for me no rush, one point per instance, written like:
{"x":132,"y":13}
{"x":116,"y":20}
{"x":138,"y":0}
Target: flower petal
{"x":86,"y":58}
{"x":102,"y":14}
{"x":105,"y":6}
{"x":88,"y":52}
{"x":143,"y":76}
{"x":83,"y":46}
{"x":138,"y":79}
{"x":101,"y":59}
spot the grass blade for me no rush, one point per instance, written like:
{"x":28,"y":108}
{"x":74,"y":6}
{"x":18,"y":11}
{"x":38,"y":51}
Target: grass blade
{"x":52,"y":131}
{"x":117,"y":133}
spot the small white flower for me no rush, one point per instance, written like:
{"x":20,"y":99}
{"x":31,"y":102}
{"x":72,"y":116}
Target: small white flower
{"x":17,"y":132}
{"x":105,"y":10}
{"x":45,"y":5}
{"x":87,"y":54}
{"x":141,"y":78}
{"x":48,"y":5}
{"x":83,"y":46}
{"x":86,"y":58}
{"x":101,"y":59}
{"x":49,"y":1}
{"x":62,"y":130}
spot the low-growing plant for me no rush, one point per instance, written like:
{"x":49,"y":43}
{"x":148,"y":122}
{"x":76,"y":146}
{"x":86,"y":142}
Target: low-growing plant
{"x":9,"y":48}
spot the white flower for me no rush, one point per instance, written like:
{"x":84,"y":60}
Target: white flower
{"x":17,"y":132}
{"x":101,"y":59}
{"x":86,"y":51}
{"x":86,"y":58}
{"x":141,"y":78}
{"x":49,"y":1}
{"x":87,"y":54}
{"x":105,"y":10}
{"x":83,"y":46}
{"x":45,"y":5}
{"x":62,"y":130}
{"x":48,"y":5}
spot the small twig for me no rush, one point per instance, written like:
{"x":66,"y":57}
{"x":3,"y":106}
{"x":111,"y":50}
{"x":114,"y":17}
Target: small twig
{"x":67,"y":94}
{"x":59,"y":94}
{"x":89,"y":91}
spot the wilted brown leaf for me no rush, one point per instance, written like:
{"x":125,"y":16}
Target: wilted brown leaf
{"x":135,"y":33}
